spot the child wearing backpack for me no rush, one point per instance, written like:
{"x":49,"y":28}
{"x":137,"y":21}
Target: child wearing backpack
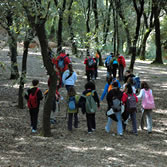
{"x":72,"y":108}
{"x":89,"y":102}
{"x":130,"y":100}
{"x":69,"y":77}
{"x":33,"y":97}
{"x":90,"y":68}
{"x":114,"y":101}
{"x":147,"y":105}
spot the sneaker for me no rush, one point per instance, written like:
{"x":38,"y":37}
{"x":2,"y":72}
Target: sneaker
{"x":121,"y":134}
{"x":93,"y":129}
{"x":34,"y":131}
{"x":89,"y":132}
{"x":149,"y":132}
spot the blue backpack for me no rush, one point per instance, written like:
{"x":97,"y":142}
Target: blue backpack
{"x":61,"y":62}
{"x":72,"y":103}
{"x":136,"y":82}
{"x":108,"y":59}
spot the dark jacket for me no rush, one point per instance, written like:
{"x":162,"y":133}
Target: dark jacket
{"x":82,"y":100}
{"x":32,"y":90}
{"x":115,"y":92}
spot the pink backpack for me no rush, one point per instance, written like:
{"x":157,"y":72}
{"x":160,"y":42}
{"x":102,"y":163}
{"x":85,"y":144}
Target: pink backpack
{"x":148,"y":101}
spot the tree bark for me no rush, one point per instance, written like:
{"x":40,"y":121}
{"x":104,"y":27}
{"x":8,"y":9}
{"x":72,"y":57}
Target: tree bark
{"x":12,"y":47}
{"x":74,"y":46}
{"x":139,"y":12}
{"x":88,"y":29}
{"x":27,"y":41}
{"x":156,"y":11}
{"x":60,"y":27}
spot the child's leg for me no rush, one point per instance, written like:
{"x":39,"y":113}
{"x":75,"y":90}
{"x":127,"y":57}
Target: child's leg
{"x":31,"y":117}
{"x":88,"y":118}
{"x":142,"y":118}
{"x":76,"y":120}
{"x":119,"y":123}
{"x":108,"y":125}
{"x":149,"y":120}
{"x":35,"y":118}
{"x":134,"y":123}
{"x":70,"y":117}
{"x":93,"y":121}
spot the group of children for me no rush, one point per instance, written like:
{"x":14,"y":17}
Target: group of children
{"x":120,"y":99}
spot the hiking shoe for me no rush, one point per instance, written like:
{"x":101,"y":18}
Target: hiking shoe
{"x":34,"y":131}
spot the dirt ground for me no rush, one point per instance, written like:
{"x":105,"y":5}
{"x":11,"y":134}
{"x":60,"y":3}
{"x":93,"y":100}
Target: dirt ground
{"x":20,"y":148}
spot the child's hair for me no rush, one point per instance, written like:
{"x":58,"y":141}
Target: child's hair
{"x":129,"y":89}
{"x":130,"y":81}
{"x":109,"y":79}
{"x":144,"y":85}
{"x":35,"y":82}
{"x":90,"y":85}
{"x":71,"y":91}
{"x":115,"y":84}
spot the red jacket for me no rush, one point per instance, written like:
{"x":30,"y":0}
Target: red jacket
{"x":121,"y":60}
{"x":125,"y":97}
{"x":66,"y":62}
{"x":86,"y":63}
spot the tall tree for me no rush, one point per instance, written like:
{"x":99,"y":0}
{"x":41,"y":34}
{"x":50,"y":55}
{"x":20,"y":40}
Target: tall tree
{"x":72,"y":36}
{"x":37,"y":21}
{"x":60,"y":25}
{"x":139,"y":8}
{"x":156,"y":12}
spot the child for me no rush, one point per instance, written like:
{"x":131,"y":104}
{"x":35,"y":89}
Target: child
{"x":72,"y":108}
{"x":114,"y":102}
{"x":147,"y":105}
{"x":90,"y":115}
{"x":33,"y":96}
{"x":130,"y":100}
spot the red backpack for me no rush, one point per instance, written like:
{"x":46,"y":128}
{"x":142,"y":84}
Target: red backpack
{"x":32,"y":100}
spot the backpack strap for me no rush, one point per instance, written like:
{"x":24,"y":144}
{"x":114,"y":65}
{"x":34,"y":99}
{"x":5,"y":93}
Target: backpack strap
{"x":69,"y":76}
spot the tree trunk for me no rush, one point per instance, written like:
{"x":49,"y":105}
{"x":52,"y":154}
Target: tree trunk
{"x":139,"y":12}
{"x":88,"y":29}
{"x":125,"y":23}
{"x":74,"y":47}
{"x":12,"y":46}
{"x":13,"y":56}
{"x":156,"y":11}
{"x":60,"y":28}
{"x":143,"y":45}
{"x":107,"y":25}
{"x":41,"y":33}
{"x":27,"y":41}
{"x":23,"y":75}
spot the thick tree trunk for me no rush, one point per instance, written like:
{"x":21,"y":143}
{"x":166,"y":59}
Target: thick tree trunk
{"x":139,"y":12}
{"x":143,"y":45}
{"x":156,"y":11}
{"x":23,"y":75}
{"x":41,"y":33}
{"x":60,"y":28}
{"x":74,"y":46}
{"x":13,"y":56}
{"x":13,"y":47}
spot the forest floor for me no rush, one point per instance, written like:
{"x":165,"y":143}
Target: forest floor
{"x":20,"y":148}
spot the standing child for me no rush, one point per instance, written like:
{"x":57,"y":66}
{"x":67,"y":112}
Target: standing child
{"x":130,"y":100}
{"x":147,"y":105}
{"x":33,"y":96}
{"x":88,"y":102}
{"x":72,"y":108}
